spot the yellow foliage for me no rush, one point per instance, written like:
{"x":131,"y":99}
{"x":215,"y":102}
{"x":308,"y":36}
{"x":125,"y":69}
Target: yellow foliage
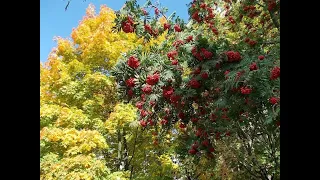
{"x":166,"y":162}
{"x":76,"y":95}
{"x":78,"y":167}
{"x":101,"y":47}
{"x":162,"y":20}
{"x":71,"y":140}
{"x":119,"y":175}
{"x":155,"y":41}
{"x":122,"y":115}
{"x":186,"y":72}
{"x":65,"y":48}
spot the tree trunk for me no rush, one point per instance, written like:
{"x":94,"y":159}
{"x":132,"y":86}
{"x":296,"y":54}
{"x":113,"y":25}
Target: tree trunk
{"x":125,"y":147}
{"x":119,"y":150}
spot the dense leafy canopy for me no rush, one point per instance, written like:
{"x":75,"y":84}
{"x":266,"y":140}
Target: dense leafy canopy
{"x":135,"y":96}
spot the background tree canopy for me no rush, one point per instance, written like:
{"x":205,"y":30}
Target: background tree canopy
{"x":140,"y":95}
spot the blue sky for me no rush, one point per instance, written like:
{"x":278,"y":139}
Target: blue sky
{"x":55,"y":21}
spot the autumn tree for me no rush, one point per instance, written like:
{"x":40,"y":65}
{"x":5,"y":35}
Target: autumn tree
{"x":85,"y":131}
{"x":217,"y":78}
{"x":77,"y":96}
{"x":138,"y":96}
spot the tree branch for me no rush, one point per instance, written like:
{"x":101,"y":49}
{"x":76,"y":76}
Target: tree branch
{"x":125,"y":147}
{"x":159,"y":11}
{"x":248,"y":170}
{"x":119,"y":150}
{"x":134,"y":146}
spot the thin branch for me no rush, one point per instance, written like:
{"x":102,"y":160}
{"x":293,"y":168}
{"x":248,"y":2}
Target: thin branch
{"x":248,"y":170}
{"x":65,"y":9}
{"x":159,"y":11}
{"x":260,"y":5}
{"x":131,"y":172}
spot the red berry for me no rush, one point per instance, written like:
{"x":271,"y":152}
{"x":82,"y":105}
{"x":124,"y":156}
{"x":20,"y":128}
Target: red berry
{"x":196,"y":16}
{"x":181,"y":125}
{"x":156,"y":11}
{"x":273,"y":100}
{"x":215,"y":31}
{"x":194,"y":120}
{"x":204,"y":75}
{"x":144,"y":11}
{"x":245,"y":90}
{"x":218,"y":135}
{"x":252,"y":42}
{"x":271,"y":5}
{"x":164,"y":122}
{"x":130,"y":82}
{"x":253,"y":66}
{"x":148,"y":28}
{"x":166,"y":26}
{"x":217,"y":66}
{"x":167,"y":92}
{"x":151,"y":123}
{"x":261,"y":57}
{"x":139,"y":104}
{"x":152,"y":103}
{"x":275,"y":73}
{"x":177,"y":43}
{"x":197,"y":70}
{"x":199,"y":132}
{"x":153,"y":79}
{"x":195,"y":145}
{"x":211,"y":149}
{"x":181,"y":115}
{"x":130,"y":92}
{"x":172,"y":54}
{"x":203,"y":5}
{"x":192,"y":151}
{"x":189,"y":38}
{"x":175,"y":98}
{"x":174,"y":62}
{"x":147,"y":89}
{"x":155,"y":142}
{"x":177,"y":28}
{"x":143,"y":113}
{"x":233,"y":56}
{"x":194,"y":84}
{"x":143,"y":123}
{"x":143,"y":97}
{"x":127,"y":27}
{"x":207,"y":54}
{"x":133,"y":62}
{"x":205,"y":143}
{"x":213,"y":117}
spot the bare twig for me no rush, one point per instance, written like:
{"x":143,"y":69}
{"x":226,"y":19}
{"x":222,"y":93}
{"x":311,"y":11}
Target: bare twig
{"x":65,"y":9}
